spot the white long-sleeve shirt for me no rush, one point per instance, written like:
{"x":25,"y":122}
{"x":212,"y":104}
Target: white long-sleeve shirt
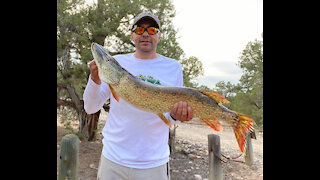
{"x":132,"y":137}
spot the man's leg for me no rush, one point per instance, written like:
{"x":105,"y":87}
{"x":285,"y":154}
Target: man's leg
{"x":157,"y":173}
{"x":109,"y":170}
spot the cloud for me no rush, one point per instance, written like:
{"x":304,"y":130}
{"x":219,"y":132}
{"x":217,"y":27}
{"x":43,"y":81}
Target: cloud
{"x":211,"y":81}
{"x":219,"y":71}
{"x":216,"y":32}
{"x":225,"y":68}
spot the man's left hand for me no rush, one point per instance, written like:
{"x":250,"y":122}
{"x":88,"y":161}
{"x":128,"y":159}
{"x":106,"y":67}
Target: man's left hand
{"x":182,"y":112}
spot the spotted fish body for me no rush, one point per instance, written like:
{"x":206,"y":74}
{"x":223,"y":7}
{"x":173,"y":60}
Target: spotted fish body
{"x":160,"y":99}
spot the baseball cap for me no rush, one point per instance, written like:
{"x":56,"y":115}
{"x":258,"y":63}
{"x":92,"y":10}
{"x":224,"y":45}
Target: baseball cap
{"x":146,"y":15}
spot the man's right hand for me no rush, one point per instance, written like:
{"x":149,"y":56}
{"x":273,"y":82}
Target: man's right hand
{"x":94,"y":72}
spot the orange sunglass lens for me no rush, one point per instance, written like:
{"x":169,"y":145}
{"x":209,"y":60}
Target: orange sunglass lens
{"x":140,"y":30}
{"x":152,"y":30}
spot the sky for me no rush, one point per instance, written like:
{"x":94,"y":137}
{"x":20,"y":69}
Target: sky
{"x":216,"y":32}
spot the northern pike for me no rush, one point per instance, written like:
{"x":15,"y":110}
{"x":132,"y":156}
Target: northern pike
{"x":206,"y":105}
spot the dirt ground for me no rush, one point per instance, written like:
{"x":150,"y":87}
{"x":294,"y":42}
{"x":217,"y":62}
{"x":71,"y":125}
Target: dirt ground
{"x":190,"y":160}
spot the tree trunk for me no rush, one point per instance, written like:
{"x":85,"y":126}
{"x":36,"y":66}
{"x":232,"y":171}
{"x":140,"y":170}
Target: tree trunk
{"x":88,"y":123}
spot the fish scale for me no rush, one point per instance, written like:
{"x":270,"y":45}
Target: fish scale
{"x":206,"y":105}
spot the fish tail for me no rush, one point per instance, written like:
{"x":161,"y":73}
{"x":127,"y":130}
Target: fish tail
{"x":243,"y":126}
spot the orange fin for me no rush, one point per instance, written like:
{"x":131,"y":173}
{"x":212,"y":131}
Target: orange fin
{"x":213,"y":123}
{"x":241,"y":130}
{"x":215,"y":96}
{"x":164,"y":119}
{"x":114,"y":94}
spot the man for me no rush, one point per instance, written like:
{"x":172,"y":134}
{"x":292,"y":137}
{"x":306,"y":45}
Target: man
{"x":135,"y":143}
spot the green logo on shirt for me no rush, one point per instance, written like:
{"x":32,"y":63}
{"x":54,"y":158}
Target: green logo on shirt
{"x":149,"y":79}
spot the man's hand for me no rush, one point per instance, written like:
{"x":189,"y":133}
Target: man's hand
{"x":94,"y":72}
{"x":182,"y":112}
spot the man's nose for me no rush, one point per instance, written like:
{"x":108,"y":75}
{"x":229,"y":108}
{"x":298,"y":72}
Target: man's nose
{"x":145,"y":33}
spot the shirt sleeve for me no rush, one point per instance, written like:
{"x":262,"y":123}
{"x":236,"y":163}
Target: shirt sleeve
{"x":95,"y":96}
{"x":168,"y":116}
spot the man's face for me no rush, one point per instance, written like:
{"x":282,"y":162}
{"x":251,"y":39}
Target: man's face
{"x":145,"y":42}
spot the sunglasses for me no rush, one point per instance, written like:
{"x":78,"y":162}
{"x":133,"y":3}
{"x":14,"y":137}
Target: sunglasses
{"x":140,"y":30}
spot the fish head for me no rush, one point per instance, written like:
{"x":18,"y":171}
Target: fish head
{"x":108,"y":68}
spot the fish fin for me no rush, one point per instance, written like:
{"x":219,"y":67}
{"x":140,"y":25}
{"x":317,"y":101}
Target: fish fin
{"x":213,"y":123}
{"x":215,"y":96}
{"x":114,"y":94}
{"x":241,"y":130}
{"x":164,"y":119}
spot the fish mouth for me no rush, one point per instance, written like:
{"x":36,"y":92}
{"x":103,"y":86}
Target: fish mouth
{"x":94,"y":48}
{"x":93,"y":45}
{"x":98,"y":50}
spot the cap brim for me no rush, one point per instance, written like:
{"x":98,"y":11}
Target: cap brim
{"x":154,"y":22}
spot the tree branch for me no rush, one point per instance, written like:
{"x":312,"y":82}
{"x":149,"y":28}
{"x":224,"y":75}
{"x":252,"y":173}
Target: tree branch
{"x":255,"y":104}
{"x":65,"y":102}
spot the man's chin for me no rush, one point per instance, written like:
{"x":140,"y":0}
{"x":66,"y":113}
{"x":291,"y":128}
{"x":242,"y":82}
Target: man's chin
{"x":146,"y":48}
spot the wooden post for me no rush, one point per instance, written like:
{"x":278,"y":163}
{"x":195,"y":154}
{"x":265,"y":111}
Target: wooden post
{"x":172,"y":137}
{"x":69,"y":154}
{"x":249,"y":151}
{"x":215,"y":167}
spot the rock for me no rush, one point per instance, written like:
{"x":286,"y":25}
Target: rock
{"x":185,"y":151}
{"x":191,"y":156}
{"x":92,"y":167}
{"x":253,"y":167}
{"x":178,"y":149}
{"x":197,"y":177}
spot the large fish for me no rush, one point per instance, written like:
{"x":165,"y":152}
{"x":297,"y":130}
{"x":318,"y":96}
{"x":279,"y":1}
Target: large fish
{"x":206,"y":106}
